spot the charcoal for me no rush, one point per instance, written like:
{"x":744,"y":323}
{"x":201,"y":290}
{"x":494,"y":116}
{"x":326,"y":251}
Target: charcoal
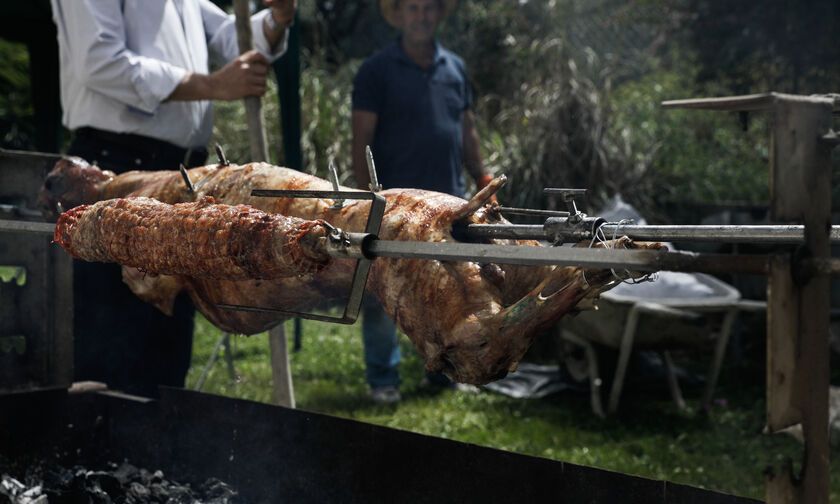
{"x":217,"y":492}
{"x":13,"y":491}
{"x":117,"y":483}
{"x":106,"y":481}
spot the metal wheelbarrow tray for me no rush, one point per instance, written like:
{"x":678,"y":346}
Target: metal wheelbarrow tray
{"x":643,"y":317}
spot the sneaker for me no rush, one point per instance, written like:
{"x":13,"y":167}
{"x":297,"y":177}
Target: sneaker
{"x":426,"y":383}
{"x":386,"y":394}
{"x":467,"y":388}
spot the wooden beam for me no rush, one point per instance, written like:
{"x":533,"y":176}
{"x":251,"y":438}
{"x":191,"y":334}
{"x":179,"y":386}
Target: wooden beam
{"x":747,"y":103}
{"x":797,"y":301}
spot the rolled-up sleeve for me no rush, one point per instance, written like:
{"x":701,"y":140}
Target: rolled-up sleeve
{"x":222,"y":40}
{"x":93,"y":33}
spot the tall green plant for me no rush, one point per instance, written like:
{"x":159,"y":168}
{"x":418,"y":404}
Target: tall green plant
{"x":700,"y":156}
{"x":326,"y":101}
{"x":555,"y":131}
{"x":325,"y":117}
{"x":17,"y":128}
{"x":230,"y":127}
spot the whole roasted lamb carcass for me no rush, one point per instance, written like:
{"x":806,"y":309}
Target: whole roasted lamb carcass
{"x":471,"y":321}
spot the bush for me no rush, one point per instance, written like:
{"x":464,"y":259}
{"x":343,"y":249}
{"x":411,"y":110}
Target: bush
{"x":692,"y":155}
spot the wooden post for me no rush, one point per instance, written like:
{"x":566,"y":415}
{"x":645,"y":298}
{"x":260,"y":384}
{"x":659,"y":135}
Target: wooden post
{"x":283,"y":393}
{"x":253,"y":104}
{"x":797,"y":300}
{"x":797,"y":296}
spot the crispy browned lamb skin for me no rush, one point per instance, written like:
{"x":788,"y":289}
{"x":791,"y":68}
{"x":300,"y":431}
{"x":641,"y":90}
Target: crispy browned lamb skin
{"x":201,"y":239}
{"x":470,"y":321}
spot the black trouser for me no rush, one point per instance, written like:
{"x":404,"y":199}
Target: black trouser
{"x":119,"y":339}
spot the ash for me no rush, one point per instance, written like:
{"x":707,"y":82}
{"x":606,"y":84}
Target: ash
{"x":122,"y":484}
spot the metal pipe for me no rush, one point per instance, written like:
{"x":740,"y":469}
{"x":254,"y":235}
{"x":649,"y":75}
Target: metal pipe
{"x":770,"y":234}
{"x":21,"y":226}
{"x":780,"y":234}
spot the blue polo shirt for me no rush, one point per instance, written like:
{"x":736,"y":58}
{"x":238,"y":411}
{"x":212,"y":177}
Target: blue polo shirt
{"x":418,"y":141}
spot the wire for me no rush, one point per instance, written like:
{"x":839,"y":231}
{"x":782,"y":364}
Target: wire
{"x":598,"y":234}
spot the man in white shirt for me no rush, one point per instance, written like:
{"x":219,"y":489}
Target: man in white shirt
{"x":136,"y":88}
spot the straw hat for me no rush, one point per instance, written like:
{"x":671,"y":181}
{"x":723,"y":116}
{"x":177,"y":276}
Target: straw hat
{"x":386,"y":7}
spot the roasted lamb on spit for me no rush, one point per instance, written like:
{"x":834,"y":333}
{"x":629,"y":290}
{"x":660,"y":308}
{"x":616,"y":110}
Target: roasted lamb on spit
{"x":472,"y":322}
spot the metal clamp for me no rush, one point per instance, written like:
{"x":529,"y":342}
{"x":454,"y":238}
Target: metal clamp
{"x":577,"y":226}
{"x":568,"y":230}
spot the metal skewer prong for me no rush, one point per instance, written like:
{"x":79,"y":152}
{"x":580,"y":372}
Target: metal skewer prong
{"x":374,"y":182}
{"x":339,"y":202}
{"x":187,"y":181}
{"x":220,"y":153}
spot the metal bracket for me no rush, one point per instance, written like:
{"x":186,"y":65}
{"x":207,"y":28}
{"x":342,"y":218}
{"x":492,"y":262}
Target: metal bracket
{"x":831,"y":139}
{"x":360,"y":274}
{"x":577,"y":226}
{"x":567,"y":195}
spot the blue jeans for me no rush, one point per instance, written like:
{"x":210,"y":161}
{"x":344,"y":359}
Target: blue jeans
{"x":382,"y":353}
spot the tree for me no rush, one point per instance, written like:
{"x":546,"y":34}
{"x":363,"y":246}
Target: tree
{"x":767,"y":45}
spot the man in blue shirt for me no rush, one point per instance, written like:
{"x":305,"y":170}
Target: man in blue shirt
{"x":412,"y":105}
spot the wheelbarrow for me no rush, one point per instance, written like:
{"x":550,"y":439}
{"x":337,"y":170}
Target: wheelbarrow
{"x":677,"y":311}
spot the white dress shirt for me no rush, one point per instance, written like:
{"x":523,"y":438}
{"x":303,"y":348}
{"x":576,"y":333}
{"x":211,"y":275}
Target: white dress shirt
{"x":119,"y":59}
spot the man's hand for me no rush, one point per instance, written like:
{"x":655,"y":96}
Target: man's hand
{"x":244,"y":76}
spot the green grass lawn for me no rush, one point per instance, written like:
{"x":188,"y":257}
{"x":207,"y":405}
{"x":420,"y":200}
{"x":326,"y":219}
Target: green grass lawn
{"x":721,"y":449}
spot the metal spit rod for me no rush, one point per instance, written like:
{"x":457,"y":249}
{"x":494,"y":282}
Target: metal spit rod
{"x":359,"y":245}
{"x":22,"y":226}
